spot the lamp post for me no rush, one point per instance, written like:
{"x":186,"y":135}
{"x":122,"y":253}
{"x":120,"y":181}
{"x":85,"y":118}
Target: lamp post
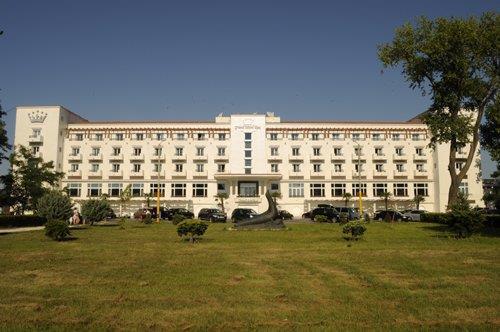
{"x":158,"y":168}
{"x":359,"y":178}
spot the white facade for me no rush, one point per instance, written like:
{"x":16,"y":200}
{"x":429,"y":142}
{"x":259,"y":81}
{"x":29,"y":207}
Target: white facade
{"x":244,"y":155}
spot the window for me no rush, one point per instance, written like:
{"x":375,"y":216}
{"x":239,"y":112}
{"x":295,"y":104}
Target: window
{"x":316,"y":151}
{"x":355,"y":189}
{"x":338,"y":189}
{"x":35,"y":150}
{"x":464,"y":188}
{"x":248,"y":162}
{"x":160,"y":136}
{"x":358,"y":167}
{"x":118,"y":137}
{"x":200,"y":168}
{"x":274,"y":168}
{"x":200,"y":136}
{"x":78,"y":137}
{"x":94,"y":190}
{"x":221,"y":168}
{"x":200,"y":189}
{"x":379,"y":167}
{"x":75,"y":151}
{"x":415,"y":137}
{"x":399,"y":151}
{"x":179,"y":151}
{"x":137,"y":189}
{"x":400,"y":168}
{"x":316,"y":168}
{"x":221,"y":151}
{"x":74,"y":189}
{"x":317,"y":189}
{"x":296,"y":168}
{"x":273,"y":136}
{"x":274,"y":151}
{"x":115,"y":168}
{"x":337,"y":151}
{"x":221,"y":187}
{"x":336,"y":137}
{"x":248,"y":189}
{"x":98,"y":137}
{"x":356,"y":136}
{"x":337,"y":168}
{"x":117,"y":151}
{"x":376,"y":137}
{"x":74,"y":167}
{"x":180,"y":136}
{"x":157,"y":168}
{"x":137,"y":151}
{"x":295,"y":151}
{"x":379,"y":189}
{"x":459,"y":165}
{"x":222,"y":137}
{"x":157,"y":188}
{"x":178,"y":168}
{"x":114,"y":189}
{"x":200,"y":151}
{"x":315,"y":137}
{"x":94,"y":168}
{"x":419,"y":151}
{"x":248,"y":144}
{"x":275,"y":187}
{"x":294,"y":136}
{"x":358,"y":151}
{"x":248,"y":153}
{"x":420,"y":167}
{"x":137,"y":168}
{"x":379,"y":152}
{"x":420,"y":189}
{"x":95,"y":151}
{"x":158,"y":152}
{"x":401,"y":189}
{"x":295,"y":189}
{"x":248,"y":136}
{"x":178,"y":189}
{"x":139,"y":137}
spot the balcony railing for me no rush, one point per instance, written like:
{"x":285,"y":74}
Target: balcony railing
{"x":35,"y":139}
{"x":95,"y":156}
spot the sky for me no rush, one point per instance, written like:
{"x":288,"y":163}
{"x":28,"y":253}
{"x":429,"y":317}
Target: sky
{"x":187,"y":60}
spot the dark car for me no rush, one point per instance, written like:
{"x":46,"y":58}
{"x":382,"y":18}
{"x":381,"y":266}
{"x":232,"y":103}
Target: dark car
{"x":306,"y":215}
{"x":214,"y":215}
{"x":329,"y":212}
{"x":143,"y":213}
{"x":240,"y":214}
{"x":285,"y":215}
{"x":351,"y":213}
{"x":390,"y":215}
{"x":169,"y":213}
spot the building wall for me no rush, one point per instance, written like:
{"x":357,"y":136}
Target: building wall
{"x":223,"y":142}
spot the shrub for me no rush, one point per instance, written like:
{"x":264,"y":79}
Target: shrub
{"x":463,"y":220}
{"x":95,"y":210}
{"x":343,"y":218}
{"x":57,"y":230}
{"x":22,"y":221}
{"x":177,"y":219}
{"x":54,"y":205}
{"x":434,"y":217}
{"x":492,"y":220}
{"x":320,"y":218}
{"x":191,"y":229}
{"x":354,"y":230}
{"x":147,"y":219}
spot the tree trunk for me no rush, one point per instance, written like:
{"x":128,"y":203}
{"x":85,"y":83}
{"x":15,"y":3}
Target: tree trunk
{"x":222,"y":205}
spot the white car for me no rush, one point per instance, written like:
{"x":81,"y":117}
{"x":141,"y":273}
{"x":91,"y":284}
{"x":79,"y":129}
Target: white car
{"x":414,"y":215}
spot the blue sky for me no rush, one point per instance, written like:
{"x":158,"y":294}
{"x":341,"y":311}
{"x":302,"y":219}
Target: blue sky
{"x":126,"y":60}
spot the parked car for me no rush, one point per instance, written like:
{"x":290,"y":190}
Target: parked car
{"x":351,"y":213}
{"x":240,"y":214}
{"x":169,"y":213}
{"x":306,"y":215}
{"x":390,"y":215}
{"x":285,"y":215}
{"x":214,"y":215}
{"x":329,"y":212}
{"x":414,"y":215}
{"x":143,"y":212}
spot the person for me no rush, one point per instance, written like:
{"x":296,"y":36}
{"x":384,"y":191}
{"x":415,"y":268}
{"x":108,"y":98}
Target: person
{"x":76,"y":217}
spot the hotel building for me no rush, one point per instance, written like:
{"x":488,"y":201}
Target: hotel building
{"x":189,"y":162}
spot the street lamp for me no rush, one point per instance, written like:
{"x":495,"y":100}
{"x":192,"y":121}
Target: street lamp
{"x":359,"y":178}
{"x":158,"y":168}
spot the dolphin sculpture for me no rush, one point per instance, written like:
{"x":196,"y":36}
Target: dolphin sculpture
{"x":266,"y":220}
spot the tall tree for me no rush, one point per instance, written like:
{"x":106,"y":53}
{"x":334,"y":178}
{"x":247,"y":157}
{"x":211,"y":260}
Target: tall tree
{"x":417,"y":200}
{"x":125,"y":197}
{"x":4,"y":142}
{"x":221,"y":197}
{"x":490,"y":131}
{"x":29,"y":178}
{"x":456,"y":62}
{"x":385,"y":196}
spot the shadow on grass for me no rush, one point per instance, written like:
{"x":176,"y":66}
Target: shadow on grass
{"x":443,"y":231}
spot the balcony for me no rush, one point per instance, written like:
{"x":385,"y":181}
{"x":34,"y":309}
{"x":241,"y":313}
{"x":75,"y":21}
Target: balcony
{"x":396,"y":156}
{"x":75,"y":173}
{"x":313,"y":174}
{"x":273,"y":156}
{"x":200,"y":157}
{"x":35,"y":139}
{"x":339,"y":156}
{"x":403,"y":172}
{"x":356,"y":174}
{"x":95,"y":156}
{"x":138,"y":157}
{"x":116,"y":157}
{"x":422,"y":172}
{"x":182,"y":173}
{"x":95,"y":173}
{"x":158,"y":157}
{"x":422,"y":156}
{"x":381,"y":172}
{"x":379,"y":156}
{"x":356,"y":156}
{"x":248,"y":199}
{"x":75,"y":157}
{"x":295,"y":157}
{"x":113,"y":173}
{"x":179,"y":157}
{"x":336,"y":173}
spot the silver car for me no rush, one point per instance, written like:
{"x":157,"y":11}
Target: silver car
{"x":414,"y":215}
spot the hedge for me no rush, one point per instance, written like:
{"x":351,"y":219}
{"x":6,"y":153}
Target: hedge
{"x":22,"y":221}
{"x":434,"y":217}
{"x":492,"y":220}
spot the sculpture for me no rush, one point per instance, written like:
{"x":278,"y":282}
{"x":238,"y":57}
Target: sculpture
{"x":267,"y":220}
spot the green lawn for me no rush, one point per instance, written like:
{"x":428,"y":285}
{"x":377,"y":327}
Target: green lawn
{"x":400,"y":276}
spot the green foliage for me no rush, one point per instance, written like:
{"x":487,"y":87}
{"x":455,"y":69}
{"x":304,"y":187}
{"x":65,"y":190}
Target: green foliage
{"x":347,"y":197}
{"x":490,"y":130}
{"x":22,"y":221}
{"x":57,"y":230}
{"x":344,"y":218}
{"x":492,"y":220}
{"x":95,"y":210}
{"x":4,"y":141}
{"x":221,"y":197}
{"x":434,"y":217}
{"x":417,"y":200}
{"x":463,"y":220}
{"x":54,"y":205}
{"x":125,"y":197}
{"x":191,"y":229}
{"x":321,"y":218}
{"x":353,"y":230}
{"x":386,"y":196}
{"x":177,"y":218}
{"x":147,"y":219}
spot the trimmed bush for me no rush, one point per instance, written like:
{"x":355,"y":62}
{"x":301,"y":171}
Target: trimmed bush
{"x":344,"y":219}
{"x":177,"y":219}
{"x":147,"y":220}
{"x":191,"y":229}
{"x":463,"y":220}
{"x":353,"y":230}
{"x":22,"y":221}
{"x":54,"y":205}
{"x":95,"y":210}
{"x":492,"y":220}
{"x":321,"y":218}
{"x":57,"y":230}
{"x":434,"y":217}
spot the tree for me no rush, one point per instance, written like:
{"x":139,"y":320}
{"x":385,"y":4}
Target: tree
{"x":29,"y":179}
{"x":275,"y":195}
{"x":148,"y":199}
{"x":125,"y":197}
{"x":417,"y":200}
{"x":54,"y":205}
{"x":221,"y":197}
{"x":346,"y":197}
{"x":4,"y":142}
{"x":490,"y":131}
{"x":385,"y":196}
{"x":456,"y":62}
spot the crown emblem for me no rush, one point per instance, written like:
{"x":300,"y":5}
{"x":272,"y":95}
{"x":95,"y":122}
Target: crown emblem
{"x":37,"y":116}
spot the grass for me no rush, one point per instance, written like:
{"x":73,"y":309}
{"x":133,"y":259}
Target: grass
{"x":400,"y":276}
